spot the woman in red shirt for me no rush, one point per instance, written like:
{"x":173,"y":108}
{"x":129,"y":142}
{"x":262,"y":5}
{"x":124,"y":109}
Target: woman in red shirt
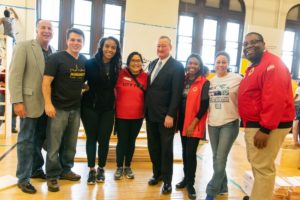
{"x":130,"y":89}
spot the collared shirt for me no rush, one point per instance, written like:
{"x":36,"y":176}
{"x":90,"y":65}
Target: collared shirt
{"x":47,"y":53}
{"x":156,"y":66}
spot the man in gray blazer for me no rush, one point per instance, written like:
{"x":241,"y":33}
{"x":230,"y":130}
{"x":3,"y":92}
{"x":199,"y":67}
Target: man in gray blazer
{"x":25,"y":85}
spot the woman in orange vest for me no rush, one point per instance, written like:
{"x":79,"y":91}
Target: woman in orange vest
{"x":192,"y":119}
{"x":223,"y":121}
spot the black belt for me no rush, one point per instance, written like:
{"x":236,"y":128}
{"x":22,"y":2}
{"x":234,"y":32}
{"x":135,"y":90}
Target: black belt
{"x":257,"y":125}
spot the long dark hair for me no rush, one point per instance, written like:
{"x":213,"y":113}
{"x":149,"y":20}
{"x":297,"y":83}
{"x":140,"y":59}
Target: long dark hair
{"x":201,"y":71}
{"x":116,"y":60}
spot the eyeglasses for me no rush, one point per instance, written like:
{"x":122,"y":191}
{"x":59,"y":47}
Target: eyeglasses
{"x":252,"y":43}
{"x":136,"y":61}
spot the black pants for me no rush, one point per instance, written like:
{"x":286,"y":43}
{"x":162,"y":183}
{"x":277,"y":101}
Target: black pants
{"x":160,"y":146}
{"x":189,"y":149}
{"x":127,"y":132}
{"x":98,"y":128}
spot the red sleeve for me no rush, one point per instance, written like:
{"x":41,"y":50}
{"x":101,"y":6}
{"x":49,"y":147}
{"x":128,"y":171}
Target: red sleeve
{"x":274,"y":88}
{"x":145,"y":80}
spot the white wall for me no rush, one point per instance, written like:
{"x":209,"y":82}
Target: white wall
{"x":146,"y":20}
{"x":268,"y":18}
{"x":26,"y":10}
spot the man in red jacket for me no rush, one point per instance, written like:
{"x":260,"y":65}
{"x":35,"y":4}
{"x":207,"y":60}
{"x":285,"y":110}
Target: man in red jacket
{"x":267,"y":110}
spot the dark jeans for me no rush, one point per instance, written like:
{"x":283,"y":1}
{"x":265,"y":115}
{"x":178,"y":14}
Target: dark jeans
{"x":25,"y":148}
{"x":39,"y":140}
{"x":160,"y":146}
{"x":62,"y":133}
{"x":128,"y":130}
{"x":98,"y":128}
{"x":189,"y":150}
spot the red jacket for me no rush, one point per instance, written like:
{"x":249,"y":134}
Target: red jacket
{"x":265,"y":94}
{"x":129,"y":97}
{"x":193,"y":101}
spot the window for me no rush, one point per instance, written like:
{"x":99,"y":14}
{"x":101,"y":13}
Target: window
{"x":291,"y":42}
{"x":112,"y":23}
{"x":96,"y":18}
{"x":232,"y":43}
{"x":185,"y":37}
{"x":50,"y":11}
{"x":209,"y":42}
{"x":288,"y":48}
{"x":216,"y":25}
{"x":83,"y":22}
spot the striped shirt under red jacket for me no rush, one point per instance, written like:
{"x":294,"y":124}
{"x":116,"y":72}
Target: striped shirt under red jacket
{"x":129,"y":97}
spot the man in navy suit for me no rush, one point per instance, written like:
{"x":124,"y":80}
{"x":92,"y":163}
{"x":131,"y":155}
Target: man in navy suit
{"x":166,"y":79}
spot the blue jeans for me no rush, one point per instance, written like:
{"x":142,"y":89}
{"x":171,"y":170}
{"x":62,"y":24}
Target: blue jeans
{"x":221,"y":140}
{"x":25,"y":148}
{"x":39,"y":140}
{"x":62,"y":132}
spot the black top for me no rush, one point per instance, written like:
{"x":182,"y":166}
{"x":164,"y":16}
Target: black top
{"x":101,"y":82}
{"x":47,"y":53}
{"x":68,"y":74}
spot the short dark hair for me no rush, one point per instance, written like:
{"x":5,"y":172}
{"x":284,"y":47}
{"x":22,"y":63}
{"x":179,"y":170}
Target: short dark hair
{"x":6,"y":13}
{"x":201,"y":66}
{"x":261,"y":38}
{"x":131,"y":55}
{"x":223,"y":53}
{"x":75,"y":30}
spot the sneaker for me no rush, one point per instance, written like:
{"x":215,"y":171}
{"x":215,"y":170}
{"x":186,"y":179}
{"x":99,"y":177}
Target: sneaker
{"x":128,"y":173}
{"x":71,"y":176}
{"x":92,"y":177}
{"x":100,"y":177}
{"x":27,"y":187}
{"x":52,"y":185}
{"x":119,"y":173}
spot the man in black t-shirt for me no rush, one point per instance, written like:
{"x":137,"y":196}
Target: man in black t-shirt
{"x":62,"y":84}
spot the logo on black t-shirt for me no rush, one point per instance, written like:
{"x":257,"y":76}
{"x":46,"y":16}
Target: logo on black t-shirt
{"x":77,"y":73}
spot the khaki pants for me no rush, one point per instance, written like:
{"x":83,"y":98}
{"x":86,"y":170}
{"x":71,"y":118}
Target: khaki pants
{"x":262,"y":162}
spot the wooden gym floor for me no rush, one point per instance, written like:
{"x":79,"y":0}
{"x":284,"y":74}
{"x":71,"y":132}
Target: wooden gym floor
{"x":137,"y":188}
